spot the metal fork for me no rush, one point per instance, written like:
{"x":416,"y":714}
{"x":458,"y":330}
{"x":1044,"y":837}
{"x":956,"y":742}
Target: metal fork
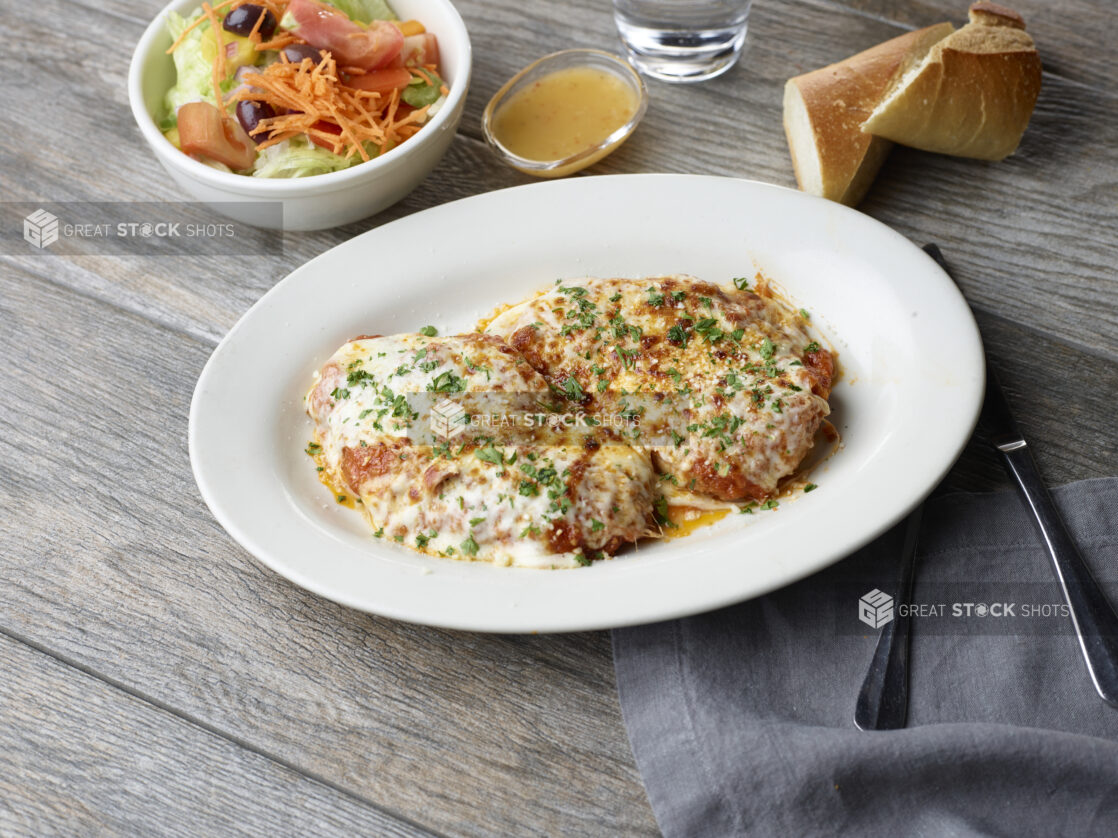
{"x":1096,"y":624}
{"x":883,"y":700}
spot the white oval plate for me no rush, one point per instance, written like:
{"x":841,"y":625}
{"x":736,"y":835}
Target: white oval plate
{"x":908,"y":401}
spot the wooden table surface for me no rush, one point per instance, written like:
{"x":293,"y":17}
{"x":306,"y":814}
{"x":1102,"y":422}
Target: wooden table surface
{"x":156,"y":679}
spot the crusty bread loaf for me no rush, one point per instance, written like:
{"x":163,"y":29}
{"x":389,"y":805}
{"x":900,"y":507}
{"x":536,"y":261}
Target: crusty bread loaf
{"x":972,"y":95}
{"x":824,"y":111}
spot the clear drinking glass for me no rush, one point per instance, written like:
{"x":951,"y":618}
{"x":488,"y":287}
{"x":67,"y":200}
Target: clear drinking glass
{"x":682,"y":40}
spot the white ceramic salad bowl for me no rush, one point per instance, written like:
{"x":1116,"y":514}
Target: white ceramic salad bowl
{"x":318,"y":201}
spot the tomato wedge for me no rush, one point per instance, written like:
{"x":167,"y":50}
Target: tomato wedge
{"x":417,"y":51}
{"x":326,"y":128}
{"x":205,"y":131}
{"x":381,"y":81}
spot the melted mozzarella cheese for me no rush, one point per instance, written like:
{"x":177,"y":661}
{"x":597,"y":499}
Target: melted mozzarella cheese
{"x":514,"y":504}
{"x":720,"y":375}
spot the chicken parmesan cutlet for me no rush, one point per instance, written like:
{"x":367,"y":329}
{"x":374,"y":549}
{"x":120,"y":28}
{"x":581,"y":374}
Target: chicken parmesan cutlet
{"x":394,"y":429}
{"x":726,"y":386}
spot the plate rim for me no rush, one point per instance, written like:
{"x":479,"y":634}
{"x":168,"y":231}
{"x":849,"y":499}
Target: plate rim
{"x":502,"y":624}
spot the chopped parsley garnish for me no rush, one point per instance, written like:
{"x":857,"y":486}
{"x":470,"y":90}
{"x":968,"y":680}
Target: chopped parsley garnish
{"x":491,"y":455}
{"x":429,"y":331}
{"x":447,"y":382}
{"x":708,"y":328}
{"x":810,"y":487}
{"x":582,"y":560}
{"x":338,"y":394}
{"x":379,"y":533}
{"x":655,"y":298}
{"x":676,"y":334}
{"x":596,"y":525}
{"x":529,"y":489}
{"x":767,"y":349}
{"x":469,"y":546}
{"x":313,"y":448}
{"x":341,"y":498}
{"x":573,"y":390}
{"x":812,"y":347}
{"x":357,"y":376}
{"x":660,"y":513}
{"x":771,"y":503}
{"x":741,"y":283}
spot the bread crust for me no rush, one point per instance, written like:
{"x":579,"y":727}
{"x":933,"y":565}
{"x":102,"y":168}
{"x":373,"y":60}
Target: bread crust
{"x":972,"y":96}
{"x":824,"y":111}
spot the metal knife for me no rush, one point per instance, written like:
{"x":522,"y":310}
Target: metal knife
{"x":1094,"y":619}
{"x":883,"y":700}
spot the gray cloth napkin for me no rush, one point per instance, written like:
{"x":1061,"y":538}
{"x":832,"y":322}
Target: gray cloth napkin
{"x":741,"y":719}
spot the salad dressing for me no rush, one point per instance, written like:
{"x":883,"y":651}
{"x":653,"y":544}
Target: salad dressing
{"x":564,"y":113}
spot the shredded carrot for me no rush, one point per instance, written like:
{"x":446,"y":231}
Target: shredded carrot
{"x":279,"y":41}
{"x":254,"y":35}
{"x":201,"y":18}
{"x":312,"y":99}
{"x":219,"y":46}
{"x":276,"y":7}
{"x":393,"y":105}
{"x":444,"y":90}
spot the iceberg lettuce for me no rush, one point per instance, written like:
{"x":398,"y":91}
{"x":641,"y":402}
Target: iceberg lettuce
{"x":195,"y":73}
{"x":298,"y":157}
{"x":364,"y":11}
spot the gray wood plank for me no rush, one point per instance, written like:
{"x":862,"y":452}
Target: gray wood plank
{"x":116,"y":564}
{"x":84,"y":758}
{"x":1025,"y":232}
{"x":205,"y":295}
{"x":1050,"y":386}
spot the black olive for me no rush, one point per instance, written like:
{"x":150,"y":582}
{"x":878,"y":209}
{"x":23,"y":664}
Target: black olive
{"x":241,"y":20}
{"x":295,"y":53}
{"x":249,"y":115}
